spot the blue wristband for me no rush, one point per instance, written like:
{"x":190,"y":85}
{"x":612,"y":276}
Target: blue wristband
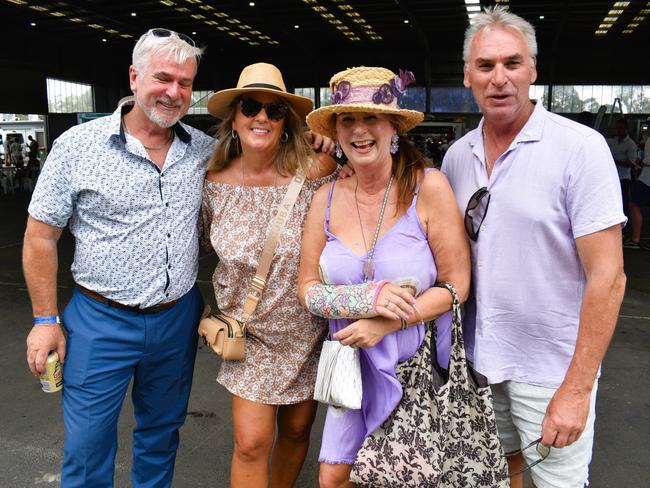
{"x":51,"y":319}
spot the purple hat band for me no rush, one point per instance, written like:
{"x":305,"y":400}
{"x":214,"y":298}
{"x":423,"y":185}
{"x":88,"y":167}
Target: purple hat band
{"x":365,"y":95}
{"x":386,"y":94}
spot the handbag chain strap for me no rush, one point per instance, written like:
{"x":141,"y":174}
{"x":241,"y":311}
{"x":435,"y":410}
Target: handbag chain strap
{"x":277,"y":225}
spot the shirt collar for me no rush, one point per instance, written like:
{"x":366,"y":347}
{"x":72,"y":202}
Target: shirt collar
{"x":531,"y":131}
{"x":116,"y":128}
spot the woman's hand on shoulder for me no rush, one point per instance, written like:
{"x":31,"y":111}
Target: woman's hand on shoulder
{"x":323,"y":165}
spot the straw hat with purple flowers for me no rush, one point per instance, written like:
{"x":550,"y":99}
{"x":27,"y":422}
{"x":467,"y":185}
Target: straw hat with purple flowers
{"x":365,"y":89}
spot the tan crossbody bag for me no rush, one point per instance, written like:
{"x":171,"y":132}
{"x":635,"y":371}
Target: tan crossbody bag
{"x":227,"y":335}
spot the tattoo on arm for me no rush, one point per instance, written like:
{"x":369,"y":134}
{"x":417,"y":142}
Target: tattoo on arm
{"x":344,"y":301}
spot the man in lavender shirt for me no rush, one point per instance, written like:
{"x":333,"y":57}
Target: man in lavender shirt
{"x":543,"y":211}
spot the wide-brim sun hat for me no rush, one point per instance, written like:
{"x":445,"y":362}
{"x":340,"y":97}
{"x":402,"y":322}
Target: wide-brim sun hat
{"x":365,"y":89}
{"x":258,"y":77}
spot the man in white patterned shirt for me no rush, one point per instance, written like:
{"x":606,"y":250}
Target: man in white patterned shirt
{"x":129,"y":186}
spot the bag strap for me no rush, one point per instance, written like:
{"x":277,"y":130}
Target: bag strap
{"x":277,"y":225}
{"x":457,"y":342}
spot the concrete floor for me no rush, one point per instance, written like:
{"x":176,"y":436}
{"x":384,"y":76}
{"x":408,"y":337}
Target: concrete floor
{"x":31,"y":432}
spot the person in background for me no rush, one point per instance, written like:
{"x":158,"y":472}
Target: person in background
{"x":624,"y":151}
{"x":129,"y":186}
{"x":543,"y":211}
{"x":33,"y":152}
{"x":640,"y":197}
{"x":261,"y":147}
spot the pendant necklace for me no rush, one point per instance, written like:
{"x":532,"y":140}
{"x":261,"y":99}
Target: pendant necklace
{"x":243,"y":180}
{"x":368,"y":265}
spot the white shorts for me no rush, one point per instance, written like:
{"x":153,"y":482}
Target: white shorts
{"x":519,"y":409}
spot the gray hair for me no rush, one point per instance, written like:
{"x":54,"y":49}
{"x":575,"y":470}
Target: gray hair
{"x":499,"y":16}
{"x":173,"y":46}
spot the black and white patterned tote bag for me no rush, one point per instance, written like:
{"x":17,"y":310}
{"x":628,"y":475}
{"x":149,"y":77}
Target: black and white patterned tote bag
{"x":443,"y":432}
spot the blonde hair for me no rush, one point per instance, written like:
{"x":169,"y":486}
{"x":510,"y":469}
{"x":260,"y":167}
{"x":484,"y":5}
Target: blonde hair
{"x":294,"y":156}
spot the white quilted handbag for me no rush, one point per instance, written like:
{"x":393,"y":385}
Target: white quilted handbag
{"x":338,"y":381}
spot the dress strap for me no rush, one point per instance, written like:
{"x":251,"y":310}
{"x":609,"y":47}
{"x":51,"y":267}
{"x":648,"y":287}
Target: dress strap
{"x":417,"y":187}
{"x":326,"y":224}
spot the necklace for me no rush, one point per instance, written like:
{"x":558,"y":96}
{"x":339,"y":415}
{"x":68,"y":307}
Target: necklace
{"x":368,"y":265}
{"x":488,"y":165}
{"x":243,"y":181}
{"x":169,"y":139}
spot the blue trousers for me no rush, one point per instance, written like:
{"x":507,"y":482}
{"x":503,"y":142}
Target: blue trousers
{"x":106,"y":348}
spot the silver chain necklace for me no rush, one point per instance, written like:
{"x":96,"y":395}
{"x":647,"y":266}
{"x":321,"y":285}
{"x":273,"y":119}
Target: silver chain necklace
{"x":169,"y":139}
{"x":368,"y":265}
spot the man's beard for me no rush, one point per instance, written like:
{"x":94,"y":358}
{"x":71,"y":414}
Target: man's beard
{"x":153,"y":115}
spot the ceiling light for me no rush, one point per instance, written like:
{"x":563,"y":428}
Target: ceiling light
{"x":633,"y":25}
{"x":639,"y":19}
{"x":38,"y":8}
{"x":182,"y":9}
{"x":198,"y":16}
{"x":406,"y":21}
{"x":126,"y":36}
{"x":112,"y":31}
{"x":133,"y":14}
{"x":57,"y":14}
{"x":473,"y":8}
{"x":18,"y":2}
{"x":252,"y":4}
{"x":33,"y":24}
{"x":541,"y":17}
{"x":601,"y":32}
{"x":627,"y":31}
{"x":471,"y":2}
{"x":193,"y":33}
{"x":211,"y":22}
{"x":169,"y":3}
{"x":621,"y":4}
{"x":610,"y":19}
{"x":296,"y":26}
{"x":96,"y":26}
{"x":222,"y":15}
{"x":75,"y":19}
{"x":103,"y":39}
{"x":615,"y":12}
{"x":206,"y":7}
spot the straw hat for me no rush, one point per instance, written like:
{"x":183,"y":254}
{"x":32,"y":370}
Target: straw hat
{"x":258,"y":77}
{"x":365,"y":89}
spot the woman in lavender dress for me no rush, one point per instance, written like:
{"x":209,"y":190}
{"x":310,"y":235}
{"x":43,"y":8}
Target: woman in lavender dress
{"x":373,"y":247}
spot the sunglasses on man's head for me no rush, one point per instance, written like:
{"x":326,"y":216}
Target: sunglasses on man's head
{"x":162,"y":32}
{"x":274,"y":111}
{"x":476,"y":209}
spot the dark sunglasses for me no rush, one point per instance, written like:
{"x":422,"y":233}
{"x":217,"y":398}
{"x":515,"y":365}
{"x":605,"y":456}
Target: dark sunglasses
{"x":542,"y":449}
{"x":162,"y":32}
{"x":471,"y":212}
{"x":274,"y":111}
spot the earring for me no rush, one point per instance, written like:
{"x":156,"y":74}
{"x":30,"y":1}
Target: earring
{"x":337,"y":150}
{"x":284,"y":137}
{"x":233,"y":134}
{"x":394,"y":144}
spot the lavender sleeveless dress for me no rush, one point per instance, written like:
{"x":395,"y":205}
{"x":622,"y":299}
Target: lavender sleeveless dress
{"x":402,"y":256}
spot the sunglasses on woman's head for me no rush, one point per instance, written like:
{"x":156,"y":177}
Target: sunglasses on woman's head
{"x":274,"y":111}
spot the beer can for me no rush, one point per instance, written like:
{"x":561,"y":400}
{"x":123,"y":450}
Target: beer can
{"x":52,"y":377}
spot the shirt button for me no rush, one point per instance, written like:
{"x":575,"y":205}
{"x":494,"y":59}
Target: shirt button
{"x":169,"y":266}
{"x":166,"y":204}
{"x":169,"y":235}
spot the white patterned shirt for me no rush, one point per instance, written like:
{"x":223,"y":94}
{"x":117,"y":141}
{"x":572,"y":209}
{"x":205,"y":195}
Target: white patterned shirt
{"x":135,"y":226}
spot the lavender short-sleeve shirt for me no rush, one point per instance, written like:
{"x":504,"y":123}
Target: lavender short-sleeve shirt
{"x":556,"y":182}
